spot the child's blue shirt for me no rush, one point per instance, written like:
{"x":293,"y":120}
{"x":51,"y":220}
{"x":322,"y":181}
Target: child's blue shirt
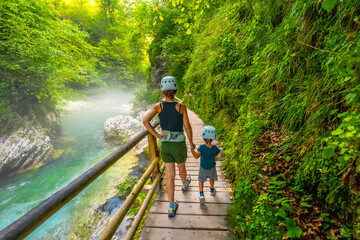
{"x":207,"y":159}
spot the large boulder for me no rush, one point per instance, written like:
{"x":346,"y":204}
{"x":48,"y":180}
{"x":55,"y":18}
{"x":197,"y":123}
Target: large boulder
{"x":121,"y":129}
{"x":25,"y":144}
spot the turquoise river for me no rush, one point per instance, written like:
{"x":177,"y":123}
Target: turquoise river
{"x":79,"y":148}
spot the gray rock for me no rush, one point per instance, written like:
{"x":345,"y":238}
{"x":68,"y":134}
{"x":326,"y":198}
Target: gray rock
{"x":27,"y":144}
{"x":121,"y":129}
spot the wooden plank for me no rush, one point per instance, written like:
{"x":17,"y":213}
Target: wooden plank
{"x":184,"y":234}
{"x":190,"y":167}
{"x":187,"y":221}
{"x":193,"y":197}
{"x":194,"y":182}
{"x":195,"y":188}
{"x":188,"y":171}
{"x":191,"y":208}
{"x":196,"y":162}
{"x":195,"y":177}
{"x":192,"y":221}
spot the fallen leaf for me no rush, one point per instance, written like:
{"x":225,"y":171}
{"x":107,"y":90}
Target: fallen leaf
{"x":255,"y":187}
{"x":317,"y":210}
{"x":316,"y":223}
{"x":350,"y":36}
{"x":331,"y":231}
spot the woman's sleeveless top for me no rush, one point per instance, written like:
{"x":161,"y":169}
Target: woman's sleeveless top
{"x":170,"y":118}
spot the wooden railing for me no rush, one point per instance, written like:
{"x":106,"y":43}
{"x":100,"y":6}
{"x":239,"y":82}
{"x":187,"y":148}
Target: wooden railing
{"x":35,"y":217}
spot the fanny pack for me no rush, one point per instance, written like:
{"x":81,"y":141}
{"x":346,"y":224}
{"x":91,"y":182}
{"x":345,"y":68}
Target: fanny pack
{"x":172,"y":137}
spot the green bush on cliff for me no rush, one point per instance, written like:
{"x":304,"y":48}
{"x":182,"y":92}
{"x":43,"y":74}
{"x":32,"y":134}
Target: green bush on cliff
{"x":280,"y":82}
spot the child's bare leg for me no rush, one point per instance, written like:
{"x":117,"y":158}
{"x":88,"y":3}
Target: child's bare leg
{"x":212,"y":183}
{"x":201,"y":186}
{"x":212,"y":188}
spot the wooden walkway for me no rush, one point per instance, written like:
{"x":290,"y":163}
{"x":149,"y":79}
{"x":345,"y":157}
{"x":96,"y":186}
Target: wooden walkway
{"x":192,"y":220}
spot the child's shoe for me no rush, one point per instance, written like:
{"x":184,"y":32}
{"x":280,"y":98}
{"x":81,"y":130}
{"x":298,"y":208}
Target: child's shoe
{"x":202,"y":198}
{"x":172,"y":210}
{"x":212,"y":191}
{"x":185,"y":186}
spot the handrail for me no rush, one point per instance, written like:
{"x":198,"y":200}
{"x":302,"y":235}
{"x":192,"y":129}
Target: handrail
{"x":121,"y":213}
{"x":135,"y":224}
{"x":35,"y":217}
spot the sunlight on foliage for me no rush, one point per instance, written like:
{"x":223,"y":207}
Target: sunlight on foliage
{"x":280,"y":82}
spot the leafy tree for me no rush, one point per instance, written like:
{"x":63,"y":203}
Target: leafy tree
{"x":42,"y":57}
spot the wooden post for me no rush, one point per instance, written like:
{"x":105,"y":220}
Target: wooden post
{"x":154,"y":153}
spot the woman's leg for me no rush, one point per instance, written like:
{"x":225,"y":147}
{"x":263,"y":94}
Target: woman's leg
{"x":182,"y":172}
{"x":170,"y":178}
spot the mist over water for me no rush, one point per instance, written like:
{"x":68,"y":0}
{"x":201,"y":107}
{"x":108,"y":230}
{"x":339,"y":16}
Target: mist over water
{"x":80,"y":147}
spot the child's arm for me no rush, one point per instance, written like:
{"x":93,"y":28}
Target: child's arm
{"x":195,"y":154}
{"x":222,"y":153}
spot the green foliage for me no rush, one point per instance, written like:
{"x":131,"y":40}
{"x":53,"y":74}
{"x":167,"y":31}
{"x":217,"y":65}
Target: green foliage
{"x":127,"y":185}
{"x":144,"y":100}
{"x":328,"y":5}
{"x":41,"y":57}
{"x":293,"y":66}
{"x":51,"y":48}
{"x":170,"y":49}
{"x":119,"y":31}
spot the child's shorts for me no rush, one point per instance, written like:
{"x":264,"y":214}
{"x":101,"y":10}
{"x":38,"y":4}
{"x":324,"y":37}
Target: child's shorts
{"x":204,"y":174}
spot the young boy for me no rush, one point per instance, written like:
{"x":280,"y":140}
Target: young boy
{"x":209,"y":155}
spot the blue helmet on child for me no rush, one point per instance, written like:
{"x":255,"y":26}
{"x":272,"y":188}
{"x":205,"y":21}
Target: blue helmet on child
{"x":208,"y":132}
{"x":168,"y":83}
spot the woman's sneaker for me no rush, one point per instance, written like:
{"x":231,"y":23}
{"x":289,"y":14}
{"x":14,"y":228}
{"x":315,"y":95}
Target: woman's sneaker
{"x":172,"y":211}
{"x":185,"y":186}
{"x":212,"y":191}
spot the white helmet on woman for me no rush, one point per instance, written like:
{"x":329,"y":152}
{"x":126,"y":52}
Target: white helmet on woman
{"x":208,"y":132}
{"x":168,"y":83}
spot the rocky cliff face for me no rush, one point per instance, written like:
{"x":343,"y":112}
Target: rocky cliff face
{"x":27,"y":143}
{"x":158,"y":70}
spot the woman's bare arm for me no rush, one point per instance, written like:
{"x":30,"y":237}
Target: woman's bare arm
{"x":148,"y":117}
{"x":187,"y":126}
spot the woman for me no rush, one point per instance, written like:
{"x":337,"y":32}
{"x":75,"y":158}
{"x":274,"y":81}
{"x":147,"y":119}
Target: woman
{"x":173,"y":119}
